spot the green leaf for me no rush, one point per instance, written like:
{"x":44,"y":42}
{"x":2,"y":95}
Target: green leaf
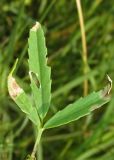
{"x":38,"y":66}
{"x":21,"y":99}
{"x":80,"y":108}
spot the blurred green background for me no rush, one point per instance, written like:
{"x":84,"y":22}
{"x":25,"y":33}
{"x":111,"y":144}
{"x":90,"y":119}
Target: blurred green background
{"x":89,"y":138}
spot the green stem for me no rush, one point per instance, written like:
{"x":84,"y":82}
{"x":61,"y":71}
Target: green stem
{"x":84,"y":44}
{"x":37,"y":142}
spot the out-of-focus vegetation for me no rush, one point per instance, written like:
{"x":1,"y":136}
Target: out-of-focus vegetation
{"x":90,"y":138}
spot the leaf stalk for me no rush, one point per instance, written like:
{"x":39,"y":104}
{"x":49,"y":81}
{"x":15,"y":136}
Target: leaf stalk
{"x":37,"y":142}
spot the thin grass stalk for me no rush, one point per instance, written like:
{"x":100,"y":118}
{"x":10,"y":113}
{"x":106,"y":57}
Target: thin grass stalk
{"x":84,"y":44}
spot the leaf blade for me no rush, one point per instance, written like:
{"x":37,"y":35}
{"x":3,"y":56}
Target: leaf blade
{"x":79,"y":108}
{"x":22,"y":100}
{"x":38,"y":65}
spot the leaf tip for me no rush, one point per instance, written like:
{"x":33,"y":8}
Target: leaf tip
{"x":105,"y":93}
{"x":13,"y":88}
{"x":35,"y":27}
{"x":110,"y":83}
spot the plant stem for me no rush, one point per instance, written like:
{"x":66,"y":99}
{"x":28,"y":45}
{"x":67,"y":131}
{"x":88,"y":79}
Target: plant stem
{"x":40,"y":151}
{"x":37,"y":142}
{"x":84,"y":45}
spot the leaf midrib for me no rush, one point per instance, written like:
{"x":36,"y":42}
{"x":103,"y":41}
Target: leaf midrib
{"x":40,"y":72}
